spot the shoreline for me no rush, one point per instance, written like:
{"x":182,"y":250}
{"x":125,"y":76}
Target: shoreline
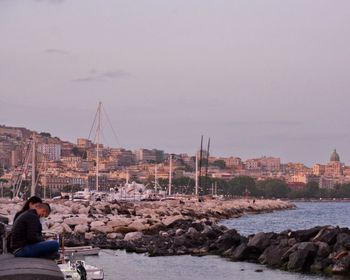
{"x":178,"y":227}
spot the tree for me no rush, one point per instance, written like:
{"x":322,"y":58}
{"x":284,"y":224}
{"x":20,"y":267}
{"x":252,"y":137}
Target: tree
{"x":273,"y":188}
{"x":219,"y":163}
{"x":45,"y":134}
{"x":239,"y":184}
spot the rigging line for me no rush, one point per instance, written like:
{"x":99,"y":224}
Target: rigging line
{"x":110,"y":124}
{"x":104,"y":138}
{"x":25,"y":167}
{"x":93,"y":124}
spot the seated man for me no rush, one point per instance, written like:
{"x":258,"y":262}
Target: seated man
{"x":27,"y":240}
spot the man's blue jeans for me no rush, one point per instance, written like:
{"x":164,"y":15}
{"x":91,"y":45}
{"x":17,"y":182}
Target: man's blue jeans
{"x":38,"y":250}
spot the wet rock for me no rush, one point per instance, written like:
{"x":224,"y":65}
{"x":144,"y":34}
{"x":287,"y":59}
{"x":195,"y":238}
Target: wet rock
{"x":320,"y":264}
{"x":342,"y":266}
{"x":302,"y":257}
{"x":227,"y":240}
{"x":272,"y":256}
{"x":327,"y":235}
{"x":305,"y":235}
{"x":243,"y":252}
{"x":261,"y":240}
{"x":343,"y":241}
{"x":192,"y":233}
{"x":323,"y":249}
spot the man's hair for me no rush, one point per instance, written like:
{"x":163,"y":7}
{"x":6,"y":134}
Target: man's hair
{"x":45,"y":206}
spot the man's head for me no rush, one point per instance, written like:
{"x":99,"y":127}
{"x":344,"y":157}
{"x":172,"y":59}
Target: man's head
{"x":42,"y":209}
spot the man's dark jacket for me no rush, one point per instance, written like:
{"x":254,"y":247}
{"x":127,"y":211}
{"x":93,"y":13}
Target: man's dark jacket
{"x":26,"y":230}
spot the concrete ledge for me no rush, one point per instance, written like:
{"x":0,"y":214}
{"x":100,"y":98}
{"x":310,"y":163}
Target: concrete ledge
{"x":12,"y":268}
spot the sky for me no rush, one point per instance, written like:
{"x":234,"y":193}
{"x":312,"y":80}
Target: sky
{"x":260,"y":78}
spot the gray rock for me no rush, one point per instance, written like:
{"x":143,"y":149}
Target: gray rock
{"x":133,"y":236}
{"x":303,"y":257}
{"x":323,"y":249}
{"x":260,"y":241}
{"x":272,"y":256}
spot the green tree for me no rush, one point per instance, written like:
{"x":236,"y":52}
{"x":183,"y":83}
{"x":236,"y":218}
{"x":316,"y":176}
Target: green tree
{"x":273,"y":188}
{"x":239,"y":184}
{"x":219,"y":163}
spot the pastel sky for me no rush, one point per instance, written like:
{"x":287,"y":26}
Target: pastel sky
{"x":260,"y":77}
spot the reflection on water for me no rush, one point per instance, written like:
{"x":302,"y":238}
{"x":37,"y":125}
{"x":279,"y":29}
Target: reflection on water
{"x":306,"y":215}
{"x":125,"y":266}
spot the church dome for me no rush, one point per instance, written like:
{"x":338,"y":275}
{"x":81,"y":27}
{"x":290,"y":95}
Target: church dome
{"x":335,"y":156}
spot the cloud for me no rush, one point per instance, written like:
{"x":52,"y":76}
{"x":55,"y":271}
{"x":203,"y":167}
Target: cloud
{"x":56,"y":51}
{"x":105,"y":76}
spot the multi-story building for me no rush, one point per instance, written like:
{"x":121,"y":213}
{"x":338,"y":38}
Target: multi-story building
{"x":252,"y":164}
{"x":270,"y":163}
{"x":318,"y":169}
{"x":84,"y":143}
{"x":50,"y":151}
{"x":233,"y":162}
{"x":145,"y":155}
{"x":123,"y":157}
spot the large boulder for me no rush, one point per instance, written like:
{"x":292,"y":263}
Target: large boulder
{"x":342,"y":266}
{"x":103,"y":229}
{"x":343,"y":241}
{"x":120,"y":222}
{"x":243,"y":252}
{"x":227,"y":240}
{"x":168,"y":221}
{"x":131,"y":236}
{"x":303,"y":257}
{"x":327,"y":235}
{"x":76,"y":221}
{"x":261,"y":240}
{"x":81,"y":228}
{"x":305,"y":235}
{"x":272,"y":256}
{"x":323,"y":249}
{"x":138,"y":225}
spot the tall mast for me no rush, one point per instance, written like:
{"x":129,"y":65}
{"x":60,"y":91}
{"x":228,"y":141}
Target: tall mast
{"x":32,"y":189}
{"x":155,"y":178}
{"x":170,"y":173}
{"x":98,"y":132}
{"x":206,"y":168}
{"x":196,"y":175}
{"x":200,"y":161}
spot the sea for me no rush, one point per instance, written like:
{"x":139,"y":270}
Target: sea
{"x":119,"y":265}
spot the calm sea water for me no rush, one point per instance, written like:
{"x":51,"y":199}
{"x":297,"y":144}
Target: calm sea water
{"x":119,"y":265}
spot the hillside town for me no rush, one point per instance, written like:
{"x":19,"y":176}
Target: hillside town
{"x":62,"y":165}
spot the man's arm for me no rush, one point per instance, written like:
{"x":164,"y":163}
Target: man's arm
{"x":34,"y":230}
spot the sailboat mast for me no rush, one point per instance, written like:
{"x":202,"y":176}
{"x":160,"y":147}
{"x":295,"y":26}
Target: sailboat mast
{"x":155,"y":178}
{"x":170,"y":172}
{"x":98,"y":144}
{"x":196,"y":176}
{"x":32,"y":189}
{"x":200,"y":161}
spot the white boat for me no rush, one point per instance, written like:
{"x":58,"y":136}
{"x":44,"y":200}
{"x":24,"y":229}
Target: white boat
{"x":77,"y":270}
{"x":82,"y":195}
